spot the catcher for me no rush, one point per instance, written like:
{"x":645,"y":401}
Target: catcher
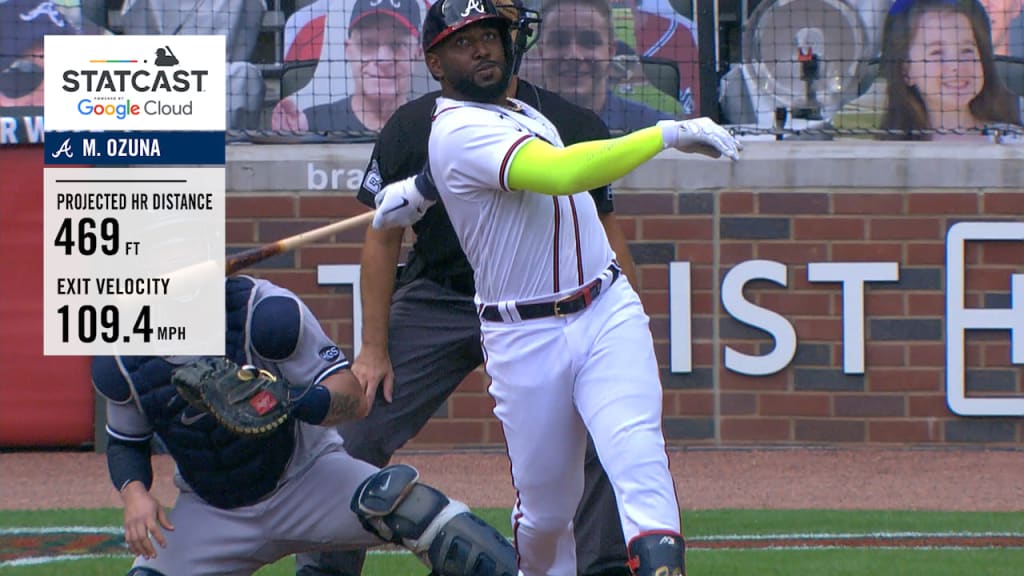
{"x":260,"y":467}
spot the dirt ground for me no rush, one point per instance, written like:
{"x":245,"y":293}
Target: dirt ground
{"x":783,"y":478}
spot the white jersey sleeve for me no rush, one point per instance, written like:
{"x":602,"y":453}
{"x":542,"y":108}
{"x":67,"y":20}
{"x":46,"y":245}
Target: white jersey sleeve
{"x":522,"y":245}
{"x":471,"y":148}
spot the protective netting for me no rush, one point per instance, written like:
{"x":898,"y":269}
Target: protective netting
{"x":337,"y":69}
{"x":909,"y":69}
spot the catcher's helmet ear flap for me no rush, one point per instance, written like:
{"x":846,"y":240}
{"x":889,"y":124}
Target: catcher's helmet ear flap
{"x":446,"y":17}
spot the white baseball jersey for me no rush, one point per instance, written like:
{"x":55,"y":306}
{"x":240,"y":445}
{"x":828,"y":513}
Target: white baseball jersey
{"x":553,"y":379}
{"x":523,"y":246}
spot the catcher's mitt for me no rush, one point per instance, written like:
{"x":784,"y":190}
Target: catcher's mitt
{"x":244,"y":399}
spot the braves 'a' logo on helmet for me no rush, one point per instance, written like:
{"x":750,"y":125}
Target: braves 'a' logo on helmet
{"x":446,"y":17}
{"x":473,"y":6}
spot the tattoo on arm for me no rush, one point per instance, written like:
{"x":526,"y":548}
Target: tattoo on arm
{"x":344,"y":407}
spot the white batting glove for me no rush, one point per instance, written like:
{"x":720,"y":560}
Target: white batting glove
{"x":400,"y":204}
{"x":700,"y":135}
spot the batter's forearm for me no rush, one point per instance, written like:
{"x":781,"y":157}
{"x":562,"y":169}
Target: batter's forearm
{"x":377,"y":283}
{"x":540,"y":167}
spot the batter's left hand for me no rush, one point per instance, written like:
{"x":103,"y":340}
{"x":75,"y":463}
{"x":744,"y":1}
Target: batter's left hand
{"x":400,"y":204}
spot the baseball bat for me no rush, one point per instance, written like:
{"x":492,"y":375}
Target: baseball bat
{"x":237,"y":262}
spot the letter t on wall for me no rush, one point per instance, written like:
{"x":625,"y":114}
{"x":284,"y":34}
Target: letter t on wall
{"x":853,"y":275}
{"x":343,"y":274}
{"x":680,"y":317}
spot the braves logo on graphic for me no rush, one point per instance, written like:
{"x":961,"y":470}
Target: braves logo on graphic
{"x":473,"y":6}
{"x":45,"y":9}
{"x":65,"y":150}
{"x":329,"y":353}
{"x":394,"y":3}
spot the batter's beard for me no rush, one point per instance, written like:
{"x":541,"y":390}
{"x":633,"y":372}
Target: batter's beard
{"x":485,"y":94}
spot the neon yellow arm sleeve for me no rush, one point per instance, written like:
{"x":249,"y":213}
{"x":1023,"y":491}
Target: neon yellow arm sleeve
{"x":541,"y":167}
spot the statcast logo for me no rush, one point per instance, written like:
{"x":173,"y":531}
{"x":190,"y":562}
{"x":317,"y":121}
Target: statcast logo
{"x":162,"y":79}
{"x":104,"y":85}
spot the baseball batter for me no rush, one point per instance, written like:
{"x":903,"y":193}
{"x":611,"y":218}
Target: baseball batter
{"x":565,"y":337}
{"x":408,"y":367}
{"x":248,"y":501}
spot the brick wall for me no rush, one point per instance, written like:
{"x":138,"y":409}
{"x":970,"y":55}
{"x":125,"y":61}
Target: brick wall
{"x":859,"y":202}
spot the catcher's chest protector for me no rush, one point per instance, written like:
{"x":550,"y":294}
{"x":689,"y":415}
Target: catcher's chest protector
{"x":224,"y":469}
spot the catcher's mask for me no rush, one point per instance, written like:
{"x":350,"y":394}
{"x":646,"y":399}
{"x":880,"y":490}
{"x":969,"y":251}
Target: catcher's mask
{"x":524,"y":28}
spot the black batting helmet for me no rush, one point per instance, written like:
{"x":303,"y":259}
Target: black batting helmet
{"x":446,"y":17}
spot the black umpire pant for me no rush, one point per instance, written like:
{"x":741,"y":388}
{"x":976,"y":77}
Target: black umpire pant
{"x":429,"y":363}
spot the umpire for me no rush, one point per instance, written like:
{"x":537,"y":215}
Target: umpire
{"x":408,"y":363}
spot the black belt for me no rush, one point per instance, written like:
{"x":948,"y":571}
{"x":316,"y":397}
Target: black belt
{"x":569,"y":304}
